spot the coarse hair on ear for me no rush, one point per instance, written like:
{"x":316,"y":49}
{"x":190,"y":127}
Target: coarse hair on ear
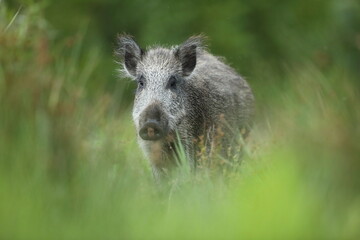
{"x":187,"y":53}
{"x":129,"y":54}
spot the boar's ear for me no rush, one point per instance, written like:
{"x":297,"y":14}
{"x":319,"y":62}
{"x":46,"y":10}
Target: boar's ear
{"x":129,"y":53}
{"x":187,"y":53}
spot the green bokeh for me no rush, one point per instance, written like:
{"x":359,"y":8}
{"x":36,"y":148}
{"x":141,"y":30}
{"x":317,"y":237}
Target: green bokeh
{"x":70,"y":167}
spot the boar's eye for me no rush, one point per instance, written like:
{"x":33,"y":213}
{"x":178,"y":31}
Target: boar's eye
{"x":172,"y":84}
{"x":141,"y":82}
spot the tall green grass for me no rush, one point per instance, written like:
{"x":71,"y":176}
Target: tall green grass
{"x":70,"y":167}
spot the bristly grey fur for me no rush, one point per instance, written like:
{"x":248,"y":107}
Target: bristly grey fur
{"x":206,"y":90}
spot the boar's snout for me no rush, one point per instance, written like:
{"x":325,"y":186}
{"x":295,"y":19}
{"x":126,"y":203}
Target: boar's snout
{"x":151,"y":131}
{"x":153,"y":123}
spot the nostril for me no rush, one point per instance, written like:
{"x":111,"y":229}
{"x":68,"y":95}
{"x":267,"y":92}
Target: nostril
{"x":151,"y":131}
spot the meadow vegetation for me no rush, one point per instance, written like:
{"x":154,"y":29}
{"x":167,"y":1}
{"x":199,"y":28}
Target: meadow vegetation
{"x":70,"y":167}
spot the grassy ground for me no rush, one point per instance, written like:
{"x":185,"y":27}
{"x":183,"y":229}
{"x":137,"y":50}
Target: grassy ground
{"x":70,"y":167}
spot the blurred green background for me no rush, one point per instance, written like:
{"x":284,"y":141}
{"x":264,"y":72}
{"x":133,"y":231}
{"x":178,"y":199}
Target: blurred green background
{"x":70,"y":167}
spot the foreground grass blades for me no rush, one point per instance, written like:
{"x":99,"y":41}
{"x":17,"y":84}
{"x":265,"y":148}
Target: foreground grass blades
{"x":71,"y":168}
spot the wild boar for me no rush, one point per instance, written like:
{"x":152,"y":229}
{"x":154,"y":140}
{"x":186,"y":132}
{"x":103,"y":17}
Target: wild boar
{"x":185,"y":92}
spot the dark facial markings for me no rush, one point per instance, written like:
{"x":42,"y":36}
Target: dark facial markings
{"x":141,"y":83}
{"x":172,"y":83}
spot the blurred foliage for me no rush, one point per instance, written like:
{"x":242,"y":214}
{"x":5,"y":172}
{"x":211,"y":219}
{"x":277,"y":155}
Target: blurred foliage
{"x":259,"y":38}
{"x":70,"y":167}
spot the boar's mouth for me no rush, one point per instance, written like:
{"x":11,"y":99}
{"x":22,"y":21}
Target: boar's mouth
{"x":170,"y":146}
